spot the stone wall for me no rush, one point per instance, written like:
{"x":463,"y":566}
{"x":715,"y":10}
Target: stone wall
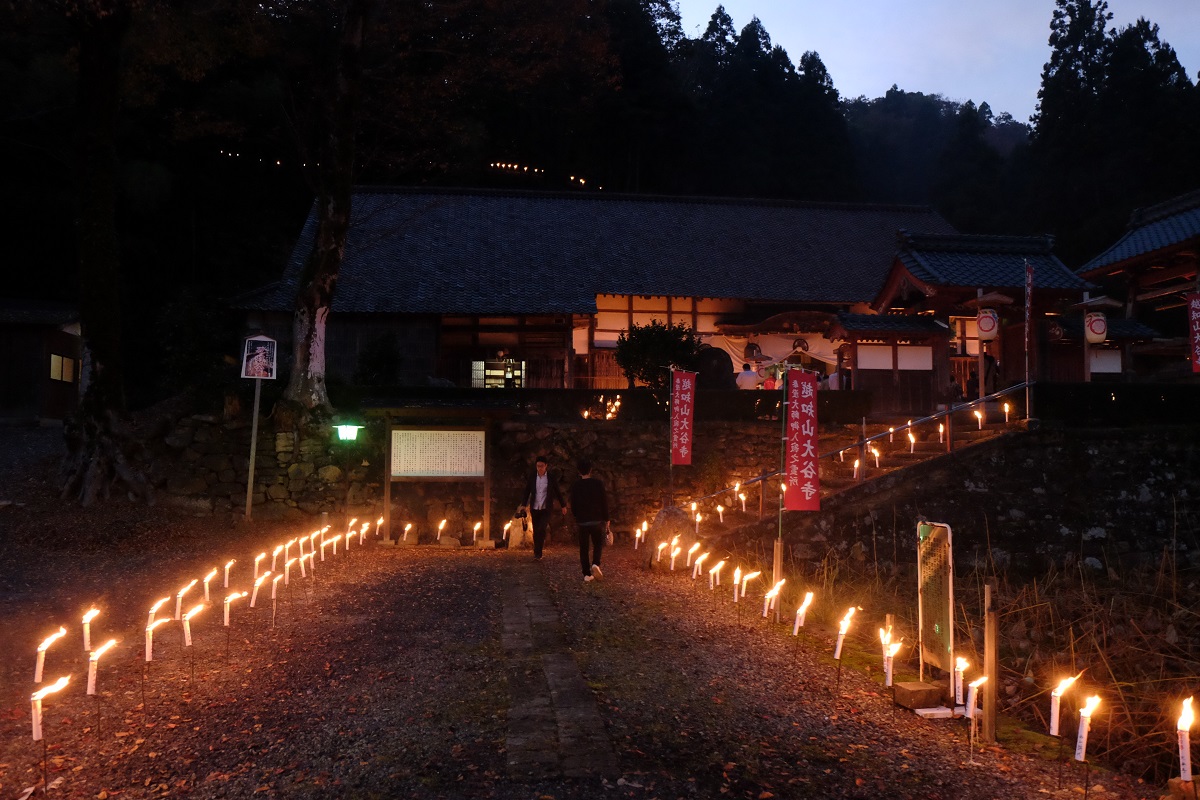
{"x":1107,"y":499}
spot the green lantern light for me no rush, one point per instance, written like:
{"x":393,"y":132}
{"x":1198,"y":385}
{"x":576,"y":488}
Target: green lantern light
{"x":347,"y":433}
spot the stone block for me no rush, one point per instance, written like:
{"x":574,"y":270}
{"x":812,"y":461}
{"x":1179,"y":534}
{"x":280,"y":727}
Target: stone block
{"x":186,"y":484}
{"x":277,"y":492}
{"x":300,"y":470}
{"x":918,"y":694}
{"x":329,"y":474}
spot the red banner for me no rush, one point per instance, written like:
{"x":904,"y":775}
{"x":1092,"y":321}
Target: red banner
{"x":1193,"y":307}
{"x":683,"y":398}
{"x":800,"y":461}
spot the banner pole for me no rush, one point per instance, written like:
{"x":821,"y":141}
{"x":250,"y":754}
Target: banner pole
{"x":253,"y":448}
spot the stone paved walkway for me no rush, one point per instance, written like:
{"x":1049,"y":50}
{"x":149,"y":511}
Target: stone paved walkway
{"x":554,"y":727}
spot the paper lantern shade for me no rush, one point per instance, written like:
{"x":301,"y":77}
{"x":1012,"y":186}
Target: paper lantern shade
{"x":988,"y":324}
{"x":1095,"y":327}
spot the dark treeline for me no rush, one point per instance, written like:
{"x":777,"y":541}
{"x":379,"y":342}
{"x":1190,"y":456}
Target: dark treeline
{"x":222,"y":105}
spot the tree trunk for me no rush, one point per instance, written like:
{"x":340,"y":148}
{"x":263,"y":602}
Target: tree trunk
{"x":99,"y":447}
{"x":306,"y":387}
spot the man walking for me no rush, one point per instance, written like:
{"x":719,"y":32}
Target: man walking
{"x":590,"y":504}
{"x":541,"y":489}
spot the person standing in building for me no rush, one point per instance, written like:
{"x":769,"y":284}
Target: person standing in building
{"x":589,"y":502}
{"x":541,"y":490}
{"x":747,"y":378}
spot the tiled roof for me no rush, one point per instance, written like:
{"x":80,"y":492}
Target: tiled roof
{"x":996,"y":262}
{"x":1166,"y":224}
{"x":889,"y":323}
{"x":36,"y":312}
{"x":485,"y":252}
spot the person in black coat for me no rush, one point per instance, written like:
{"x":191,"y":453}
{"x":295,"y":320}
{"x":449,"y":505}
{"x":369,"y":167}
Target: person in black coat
{"x":541,"y":491}
{"x":589,"y":501}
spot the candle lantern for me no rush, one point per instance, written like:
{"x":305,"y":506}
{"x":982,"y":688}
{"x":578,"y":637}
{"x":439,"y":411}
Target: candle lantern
{"x":801,"y":612}
{"x":211,"y":574}
{"x":179,"y":596}
{"x":41,"y":652}
{"x":1085,"y":723}
{"x":987,"y":321}
{"x":675,"y":554}
{"x":972,"y":691}
{"x":737,"y":582}
{"x":36,"y":703}
{"x":692,"y":551}
{"x":699,"y":562}
{"x":770,"y":597}
{"x":889,"y":658}
{"x":960,"y":666}
{"x":714,"y":574}
{"x":1055,"y":699}
{"x":746,"y":581}
{"x":842,"y":629}
{"x":441,"y":525}
{"x":1183,"y":729}
{"x":228,"y":564}
{"x":94,"y":662}
{"x":187,"y":623}
{"x":229,"y":599}
{"x":87,"y":628}
{"x":257,"y":584}
{"x":721,"y":514}
{"x":150,"y":637}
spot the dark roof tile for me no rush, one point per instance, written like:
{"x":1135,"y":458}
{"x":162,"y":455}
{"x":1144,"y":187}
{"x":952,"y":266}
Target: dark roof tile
{"x":484,"y":252}
{"x":985,"y":261}
{"x":1170,"y":223}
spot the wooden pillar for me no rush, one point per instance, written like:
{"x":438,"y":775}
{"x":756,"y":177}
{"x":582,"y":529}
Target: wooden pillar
{"x":991,"y":660}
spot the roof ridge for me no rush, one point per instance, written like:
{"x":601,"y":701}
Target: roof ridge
{"x":646,"y":198}
{"x":1167,"y":208}
{"x":1037,"y":243}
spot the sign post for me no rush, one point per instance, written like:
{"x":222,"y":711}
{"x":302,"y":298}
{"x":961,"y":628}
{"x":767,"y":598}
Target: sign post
{"x":258,"y":362}
{"x":683,"y":397}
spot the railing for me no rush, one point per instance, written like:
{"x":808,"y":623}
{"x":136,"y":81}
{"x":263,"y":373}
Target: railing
{"x":862,"y":445}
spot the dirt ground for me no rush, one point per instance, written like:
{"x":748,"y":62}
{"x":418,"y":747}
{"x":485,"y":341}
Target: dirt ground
{"x":384,"y":676}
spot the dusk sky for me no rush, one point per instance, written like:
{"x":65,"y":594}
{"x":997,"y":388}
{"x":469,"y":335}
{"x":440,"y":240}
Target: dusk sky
{"x":986,"y":52}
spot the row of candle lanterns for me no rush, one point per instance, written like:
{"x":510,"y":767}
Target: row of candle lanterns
{"x":673,"y":549}
{"x":153,"y":621}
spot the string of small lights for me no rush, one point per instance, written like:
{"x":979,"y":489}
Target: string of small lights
{"x":525,"y":169}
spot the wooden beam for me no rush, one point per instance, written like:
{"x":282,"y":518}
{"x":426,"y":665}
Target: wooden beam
{"x":1164,"y":291}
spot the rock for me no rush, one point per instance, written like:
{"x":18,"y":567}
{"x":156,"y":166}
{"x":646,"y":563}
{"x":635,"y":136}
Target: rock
{"x":330,"y":474}
{"x":300,"y":470}
{"x":277,"y":491}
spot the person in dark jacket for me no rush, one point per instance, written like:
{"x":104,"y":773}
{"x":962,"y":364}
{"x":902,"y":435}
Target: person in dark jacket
{"x":541,"y":490}
{"x":589,"y":501}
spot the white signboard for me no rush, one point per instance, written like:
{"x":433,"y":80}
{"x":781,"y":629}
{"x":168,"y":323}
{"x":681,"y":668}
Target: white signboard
{"x":258,"y":358}
{"x":437,"y":453}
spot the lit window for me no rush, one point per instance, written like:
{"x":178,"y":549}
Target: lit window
{"x":62,"y":368}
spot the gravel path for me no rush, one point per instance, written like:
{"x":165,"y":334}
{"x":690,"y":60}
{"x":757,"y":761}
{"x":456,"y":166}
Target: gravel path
{"x":432,"y":672}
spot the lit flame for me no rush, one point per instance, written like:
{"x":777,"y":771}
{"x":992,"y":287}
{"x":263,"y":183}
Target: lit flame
{"x":808,"y":598}
{"x":441,"y":524}
{"x":911,"y":438}
{"x":737,"y":576}
{"x":210,"y":575}
{"x":1006,"y":408}
{"x":278,"y":549}
{"x":662,"y":546}
{"x":478,"y":525}
{"x":885,"y":636}
{"x":693,"y":548}
{"x":353,"y":520}
{"x":775,"y":589}
{"x":676,"y":552}
{"x":1063,"y":685}
{"x":693,"y":507}
{"x":261,"y":579}
{"x":736,"y":487}
{"x":90,"y":615}
{"x":716,"y":567}
{"x":975,"y":684}
{"x":645,"y":526}
{"x":156,"y":623}
{"x":408,"y":527}
{"x":154,"y":608}
{"x":720,"y":509}
{"x":961,"y":664}
{"x":700,"y":559}
{"x":194,"y":610}
{"x":1092,"y":703}
{"x":260,"y":557}
{"x":58,"y":685}
{"x":674,"y":540}
{"x":507,"y":525}
{"x":747,"y":578}
{"x":102,"y":649}
{"x":187,"y":588}
{"x":782,"y":487}
{"x":742,"y":496}
{"x":230,"y":563}
{"x":978,"y":415}
{"x":235,"y":596}
{"x":378,"y":522}
{"x":1185,"y":717}
{"x":894,"y":648}
{"x":698,"y":518}
{"x":845,"y":626}
{"x":51,"y":639}
{"x":941,"y":428}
